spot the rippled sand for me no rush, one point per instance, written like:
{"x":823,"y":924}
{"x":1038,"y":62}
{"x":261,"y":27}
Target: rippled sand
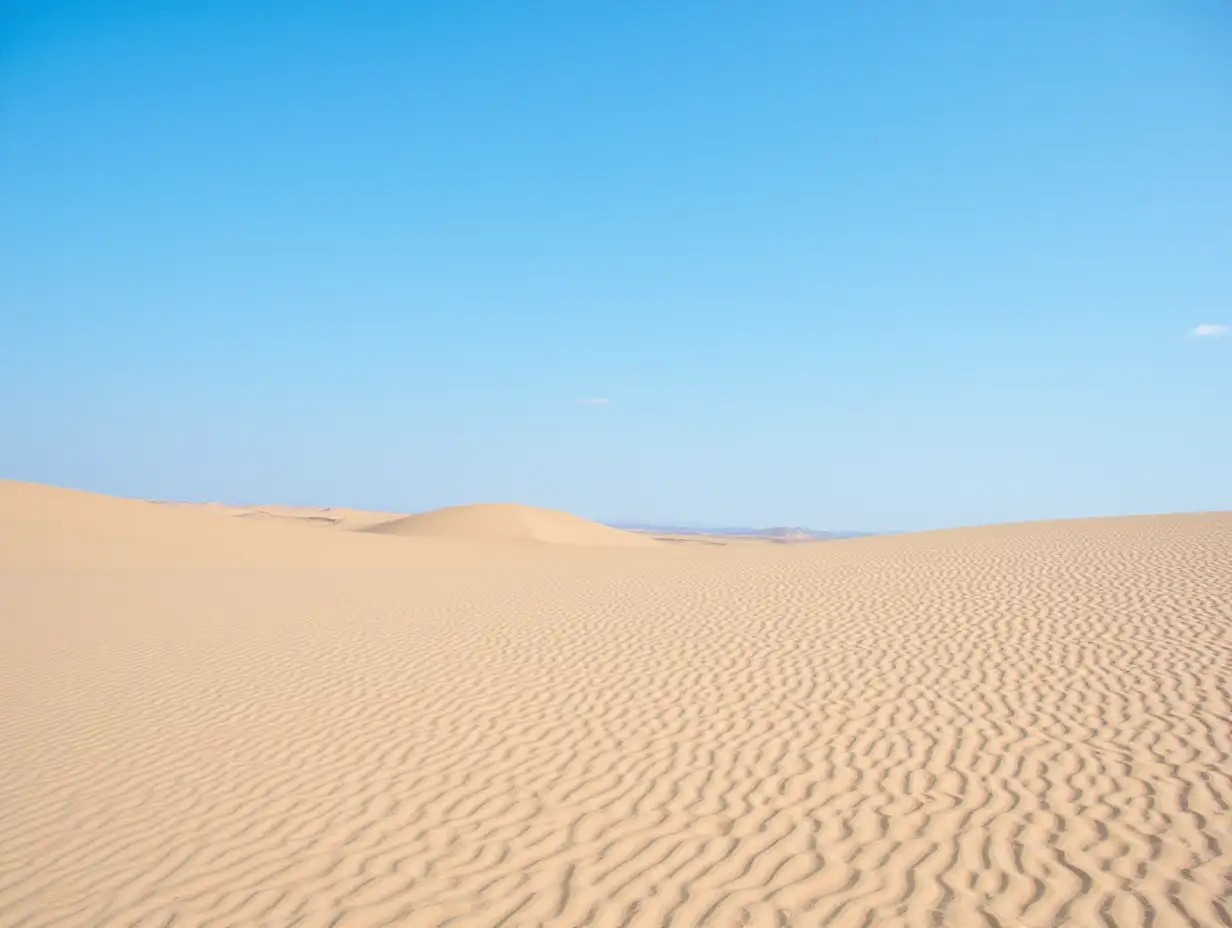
{"x":207,"y":720}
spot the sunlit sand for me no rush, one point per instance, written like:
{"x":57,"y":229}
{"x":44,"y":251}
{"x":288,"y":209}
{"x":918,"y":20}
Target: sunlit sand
{"x":508,"y":716}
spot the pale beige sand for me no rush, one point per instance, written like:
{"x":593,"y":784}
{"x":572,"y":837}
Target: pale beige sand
{"x":510,"y":522}
{"x":202,"y":723}
{"x":49,"y":527}
{"x":313,"y":517}
{"x":490,"y":522}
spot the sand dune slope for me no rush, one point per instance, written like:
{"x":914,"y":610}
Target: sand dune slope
{"x":43,"y":527}
{"x":1023,"y":725}
{"x":336,"y":517}
{"x":510,"y":522}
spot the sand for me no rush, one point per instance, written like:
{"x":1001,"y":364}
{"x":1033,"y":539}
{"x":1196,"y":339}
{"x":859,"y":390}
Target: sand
{"x":512,"y":523}
{"x":212,"y":720}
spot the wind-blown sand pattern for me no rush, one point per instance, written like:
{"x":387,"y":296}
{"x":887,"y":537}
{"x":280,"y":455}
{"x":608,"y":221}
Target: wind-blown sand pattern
{"x":203,"y":722}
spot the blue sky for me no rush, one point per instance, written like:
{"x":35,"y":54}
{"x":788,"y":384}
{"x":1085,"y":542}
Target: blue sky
{"x":885,"y":266}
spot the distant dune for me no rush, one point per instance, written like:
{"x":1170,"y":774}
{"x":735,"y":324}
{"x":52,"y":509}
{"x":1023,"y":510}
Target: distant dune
{"x":777,"y":533}
{"x":53,"y":527}
{"x":507,"y":522}
{"x":264,"y":716}
{"x":336,"y":517}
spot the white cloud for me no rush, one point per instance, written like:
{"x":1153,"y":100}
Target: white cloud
{"x":594,"y":401}
{"x":1211,"y":330}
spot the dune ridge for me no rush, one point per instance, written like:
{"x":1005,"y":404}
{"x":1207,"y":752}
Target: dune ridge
{"x":56,"y":528}
{"x":1019,"y":725}
{"x":509,"y":522}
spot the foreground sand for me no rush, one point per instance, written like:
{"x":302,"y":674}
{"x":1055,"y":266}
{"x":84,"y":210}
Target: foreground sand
{"x":211,"y":720}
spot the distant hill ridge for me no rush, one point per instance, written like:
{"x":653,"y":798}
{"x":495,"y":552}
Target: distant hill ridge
{"x":787,"y":533}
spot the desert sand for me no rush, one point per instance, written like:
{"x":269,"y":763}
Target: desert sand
{"x":509,"y":522}
{"x":261,"y":716}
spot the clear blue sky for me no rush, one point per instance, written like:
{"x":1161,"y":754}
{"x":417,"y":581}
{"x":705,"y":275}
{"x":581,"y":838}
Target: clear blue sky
{"x":850,"y":265}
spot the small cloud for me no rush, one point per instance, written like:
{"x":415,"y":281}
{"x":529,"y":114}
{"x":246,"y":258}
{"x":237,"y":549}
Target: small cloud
{"x":1211,"y":330}
{"x":594,"y":401}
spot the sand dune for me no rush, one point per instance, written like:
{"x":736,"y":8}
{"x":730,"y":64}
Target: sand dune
{"x":337,"y":517}
{"x":1020,"y":725}
{"x":510,"y":522}
{"x":54,"y":528}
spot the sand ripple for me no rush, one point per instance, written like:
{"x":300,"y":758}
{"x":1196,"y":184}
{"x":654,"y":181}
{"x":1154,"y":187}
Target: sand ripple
{"x":1015,"y":726}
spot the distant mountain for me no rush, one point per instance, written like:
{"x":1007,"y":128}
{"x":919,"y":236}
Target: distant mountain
{"x":782,"y":533}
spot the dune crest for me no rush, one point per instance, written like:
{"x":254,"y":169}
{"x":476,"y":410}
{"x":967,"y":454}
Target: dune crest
{"x":48,"y":527}
{"x":510,"y":522}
